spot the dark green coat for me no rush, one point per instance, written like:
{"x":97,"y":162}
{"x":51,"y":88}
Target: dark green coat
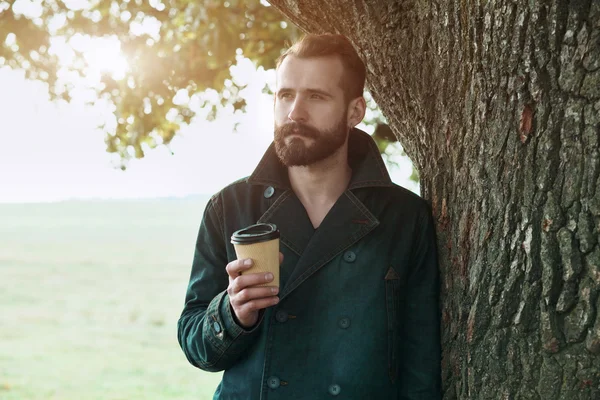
{"x":358,"y":316}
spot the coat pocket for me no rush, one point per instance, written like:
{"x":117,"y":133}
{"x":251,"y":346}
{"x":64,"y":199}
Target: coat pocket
{"x":393,"y":303}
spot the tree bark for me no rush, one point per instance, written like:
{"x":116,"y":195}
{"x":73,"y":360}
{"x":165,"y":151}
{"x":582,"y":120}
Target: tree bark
{"x":498,"y":105}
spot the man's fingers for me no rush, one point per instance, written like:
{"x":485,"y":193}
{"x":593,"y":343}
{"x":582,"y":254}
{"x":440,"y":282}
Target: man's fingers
{"x":250,"y":294}
{"x":259,"y":304}
{"x":235,"y":267}
{"x":258,"y":278}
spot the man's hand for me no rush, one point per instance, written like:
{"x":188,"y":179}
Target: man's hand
{"x":246,"y":300}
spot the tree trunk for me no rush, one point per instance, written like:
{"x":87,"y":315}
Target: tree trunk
{"x":498,"y":105}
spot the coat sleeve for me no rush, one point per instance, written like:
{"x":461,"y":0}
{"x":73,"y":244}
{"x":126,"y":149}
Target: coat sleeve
{"x":420,"y":341}
{"x":208,"y":334}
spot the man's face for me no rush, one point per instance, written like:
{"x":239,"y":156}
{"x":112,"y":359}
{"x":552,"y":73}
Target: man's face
{"x":311,"y":117}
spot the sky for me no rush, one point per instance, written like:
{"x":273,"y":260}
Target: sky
{"x":52,"y":151}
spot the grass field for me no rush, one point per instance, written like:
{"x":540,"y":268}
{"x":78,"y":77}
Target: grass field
{"x":90,"y":294}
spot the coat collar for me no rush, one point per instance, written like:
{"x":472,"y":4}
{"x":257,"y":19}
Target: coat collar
{"x":368,"y":169}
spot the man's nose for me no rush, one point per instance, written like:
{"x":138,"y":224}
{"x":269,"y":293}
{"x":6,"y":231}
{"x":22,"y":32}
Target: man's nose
{"x":298,"y":111}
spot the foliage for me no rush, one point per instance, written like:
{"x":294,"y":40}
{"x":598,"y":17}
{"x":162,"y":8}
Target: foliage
{"x":191,"y":48}
{"x":174,"y":48}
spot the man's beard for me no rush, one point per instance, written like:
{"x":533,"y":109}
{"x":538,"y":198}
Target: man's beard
{"x":296,"y":152}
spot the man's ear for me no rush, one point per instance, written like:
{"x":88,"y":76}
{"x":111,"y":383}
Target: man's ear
{"x":356,"y":111}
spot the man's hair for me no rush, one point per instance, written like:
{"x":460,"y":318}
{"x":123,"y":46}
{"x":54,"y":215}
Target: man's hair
{"x":353,"y":81}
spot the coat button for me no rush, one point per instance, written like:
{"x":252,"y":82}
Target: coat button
{"x":281,"y":316}
{"x":273,"y":382}
{"x":334,"y":390}
{"x":217,"y":327}
{"x":349,"y":256}
{"x":269,"y":192}
{"x":344,"y":322}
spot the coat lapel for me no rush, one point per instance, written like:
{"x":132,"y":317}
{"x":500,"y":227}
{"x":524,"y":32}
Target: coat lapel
{"x":347,"y":222}
{"x":288,"y":213}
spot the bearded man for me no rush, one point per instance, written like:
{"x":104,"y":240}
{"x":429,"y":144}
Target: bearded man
{"x":356,"y":313}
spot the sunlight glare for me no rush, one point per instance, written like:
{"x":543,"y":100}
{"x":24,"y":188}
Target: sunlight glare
{"x":101,"y":56}
{"x":104,"y":56}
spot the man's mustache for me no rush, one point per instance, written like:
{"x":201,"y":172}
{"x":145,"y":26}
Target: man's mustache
{"x":297,"y":128}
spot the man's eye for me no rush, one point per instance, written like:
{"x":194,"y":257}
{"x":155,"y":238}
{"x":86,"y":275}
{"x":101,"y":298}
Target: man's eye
{"x":285,"y":95}
{"x":316,"y":96}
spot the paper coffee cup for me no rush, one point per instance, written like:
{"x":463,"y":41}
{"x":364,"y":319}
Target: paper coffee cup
{"x":259,"y":242}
